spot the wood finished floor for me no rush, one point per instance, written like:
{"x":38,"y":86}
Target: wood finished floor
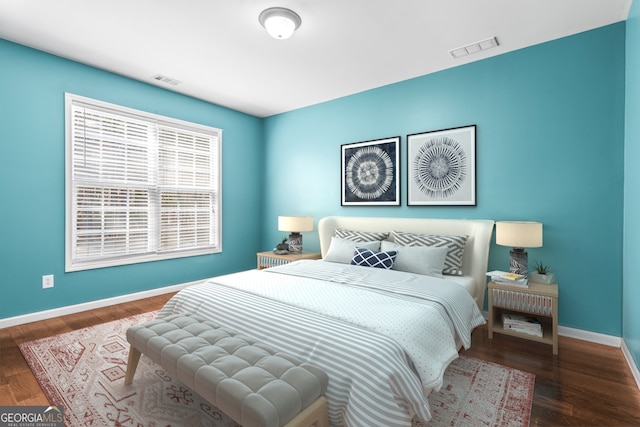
{"x":585,"y":385}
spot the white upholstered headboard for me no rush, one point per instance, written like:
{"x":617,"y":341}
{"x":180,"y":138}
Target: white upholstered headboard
{"x":476,"y":253}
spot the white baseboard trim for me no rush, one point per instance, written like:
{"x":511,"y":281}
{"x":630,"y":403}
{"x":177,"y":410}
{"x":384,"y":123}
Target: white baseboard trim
{"x":62,"y":311}
{"x":632,"y":364}
{"x":605,"y":340}
{"x":594,"y":337}
{"x":579,"y":334}
{"x":598,"y":338}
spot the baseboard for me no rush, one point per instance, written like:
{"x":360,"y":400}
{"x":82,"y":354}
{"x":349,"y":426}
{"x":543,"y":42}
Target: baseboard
{"x":579,"y":334}
{"x":598,"y":338}
{"x":62,"y":311}
{"x":632,"y":364}
{"x":593,"y":337}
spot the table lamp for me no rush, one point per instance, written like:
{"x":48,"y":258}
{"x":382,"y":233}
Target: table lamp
{"x":519,"y":235}
{"x":295,"y":225}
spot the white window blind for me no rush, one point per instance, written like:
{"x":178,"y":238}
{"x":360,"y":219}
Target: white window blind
{"x":140,"y":187}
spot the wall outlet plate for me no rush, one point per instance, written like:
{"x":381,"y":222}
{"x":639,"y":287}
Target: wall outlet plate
{"x":47,"y":281}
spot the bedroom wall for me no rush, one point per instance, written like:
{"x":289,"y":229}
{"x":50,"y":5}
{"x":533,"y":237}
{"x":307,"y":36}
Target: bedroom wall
{"x":32,"y":223}
{"x":550,"y":139}
{"x":631,"y":290}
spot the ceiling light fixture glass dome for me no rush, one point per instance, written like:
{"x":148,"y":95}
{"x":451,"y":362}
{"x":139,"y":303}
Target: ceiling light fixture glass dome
{"x":279,"y":22}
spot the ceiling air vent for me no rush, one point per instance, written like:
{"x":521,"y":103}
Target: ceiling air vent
{"x":474,"y":48}
{"x":165,"y":79}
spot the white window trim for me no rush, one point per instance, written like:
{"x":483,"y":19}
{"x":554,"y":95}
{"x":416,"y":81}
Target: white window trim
{"x":70,"y":265}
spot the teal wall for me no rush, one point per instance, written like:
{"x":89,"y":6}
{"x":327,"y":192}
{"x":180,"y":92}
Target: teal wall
{"x":32,"y":189}
{"x":631,"y":291}
{"x":550,"y":146}
{"x":550,"y":141}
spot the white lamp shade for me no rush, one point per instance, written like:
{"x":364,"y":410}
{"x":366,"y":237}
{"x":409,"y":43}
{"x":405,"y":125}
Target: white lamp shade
{"x":295,"y":223}
{"x":519,"y":234}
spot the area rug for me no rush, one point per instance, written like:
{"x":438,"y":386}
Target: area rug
{"x":478,"y":393}
{"x":84,"y":371}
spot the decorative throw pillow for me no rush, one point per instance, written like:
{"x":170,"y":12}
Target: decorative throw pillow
{"x":367,"y":258}
{"x":426,"y":260}
{"x":454,"y":245}
{"x":360,"y":236}
{"x":341,"y":250}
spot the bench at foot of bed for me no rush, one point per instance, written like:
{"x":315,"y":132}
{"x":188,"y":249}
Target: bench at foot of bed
{"x":248,"y":381}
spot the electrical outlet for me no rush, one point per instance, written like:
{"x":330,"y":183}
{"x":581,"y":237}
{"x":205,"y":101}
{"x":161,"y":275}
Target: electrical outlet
{"x":47,"y":281}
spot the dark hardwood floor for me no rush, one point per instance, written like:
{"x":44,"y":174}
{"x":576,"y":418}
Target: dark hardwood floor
{"x":585,"y":385}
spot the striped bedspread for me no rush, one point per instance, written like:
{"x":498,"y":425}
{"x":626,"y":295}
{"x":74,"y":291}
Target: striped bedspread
{"x":365,"y":331}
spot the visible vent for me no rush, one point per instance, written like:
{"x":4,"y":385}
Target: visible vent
{"x":474,"y":48}
{"x":165,"y":79}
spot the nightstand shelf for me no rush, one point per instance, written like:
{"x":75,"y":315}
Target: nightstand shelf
{"x":539,"y":300}
{"x":269,"y":259}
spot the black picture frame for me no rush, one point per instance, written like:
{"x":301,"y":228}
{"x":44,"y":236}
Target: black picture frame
{"x":371,"y":173}
{"x":441,"y":167}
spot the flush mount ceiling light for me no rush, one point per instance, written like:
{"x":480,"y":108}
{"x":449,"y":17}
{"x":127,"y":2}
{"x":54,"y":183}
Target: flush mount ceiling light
{"x":279,"y":22}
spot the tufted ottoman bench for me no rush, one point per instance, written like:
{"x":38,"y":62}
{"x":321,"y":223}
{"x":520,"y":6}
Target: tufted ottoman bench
{"x":248,"y":381}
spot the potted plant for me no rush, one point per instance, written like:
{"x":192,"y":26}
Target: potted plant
{"x":542,"y":274}
{"x":282,"y":248}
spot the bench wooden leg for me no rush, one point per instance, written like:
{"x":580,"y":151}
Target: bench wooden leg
{"x":132,"y":364}
{"x":313,"y":415}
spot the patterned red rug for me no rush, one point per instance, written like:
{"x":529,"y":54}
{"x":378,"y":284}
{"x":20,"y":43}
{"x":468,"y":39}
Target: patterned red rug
{"x":84,"y":371}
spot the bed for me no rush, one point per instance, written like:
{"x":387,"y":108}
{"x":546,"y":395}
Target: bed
{"x":384,"y":336}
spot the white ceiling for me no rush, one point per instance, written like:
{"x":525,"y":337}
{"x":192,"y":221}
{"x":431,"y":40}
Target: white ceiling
{"x":221,"y":54}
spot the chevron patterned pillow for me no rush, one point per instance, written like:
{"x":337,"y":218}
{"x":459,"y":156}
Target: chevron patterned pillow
{"x":368,"y":258}
{"x":360,"y":236}
{"x":455,"y":245}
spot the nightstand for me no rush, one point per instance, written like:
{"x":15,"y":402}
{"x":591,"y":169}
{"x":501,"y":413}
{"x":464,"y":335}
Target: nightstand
{"x":269,"y":259}
{"x":539,"y":300}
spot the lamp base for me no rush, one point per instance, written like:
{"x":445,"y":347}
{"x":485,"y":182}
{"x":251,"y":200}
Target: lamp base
{"x":518,"y":261}
{"x":295,"y":243}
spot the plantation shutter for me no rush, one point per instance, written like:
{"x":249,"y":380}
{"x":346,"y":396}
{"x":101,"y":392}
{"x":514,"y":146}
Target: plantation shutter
{"x":140,"y":188}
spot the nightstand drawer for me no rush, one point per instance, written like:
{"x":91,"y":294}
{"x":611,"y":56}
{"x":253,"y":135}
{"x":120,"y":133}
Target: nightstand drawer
{"x":521,"y":301}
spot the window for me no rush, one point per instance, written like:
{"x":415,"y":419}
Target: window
{"x":139,"y":187}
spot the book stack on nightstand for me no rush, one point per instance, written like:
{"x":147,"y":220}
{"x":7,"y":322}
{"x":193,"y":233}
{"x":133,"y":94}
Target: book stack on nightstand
{"x":510,"y":279}
{"x":520,"y":323}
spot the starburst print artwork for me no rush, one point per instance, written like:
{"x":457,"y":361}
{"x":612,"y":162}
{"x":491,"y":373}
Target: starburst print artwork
{"x":370,"y":172}
{"x":441,"y":167}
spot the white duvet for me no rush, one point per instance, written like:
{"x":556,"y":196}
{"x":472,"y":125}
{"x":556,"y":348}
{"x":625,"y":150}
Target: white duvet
{"x":384,"y":338}
{"x":425,"y":315}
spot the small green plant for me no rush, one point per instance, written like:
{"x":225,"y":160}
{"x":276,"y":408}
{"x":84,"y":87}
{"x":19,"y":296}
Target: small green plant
{"x":541,"y":268}
{"x":283,"y":246}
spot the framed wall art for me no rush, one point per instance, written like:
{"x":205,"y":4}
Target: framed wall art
{"x":441,"y":167}
{"x":370,"y":173}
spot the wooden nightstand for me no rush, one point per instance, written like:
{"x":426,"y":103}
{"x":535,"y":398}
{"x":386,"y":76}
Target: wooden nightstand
{"x":538,"y":299}
{"x":269,"y":259}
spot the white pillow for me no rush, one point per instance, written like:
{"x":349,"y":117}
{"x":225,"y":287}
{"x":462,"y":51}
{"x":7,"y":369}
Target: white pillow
{"x":341,"y":250}
{"x":456,"y":245}
{"x":427,"y":260}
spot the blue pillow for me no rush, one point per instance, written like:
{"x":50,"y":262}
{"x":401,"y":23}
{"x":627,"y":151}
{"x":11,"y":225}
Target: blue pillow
{"x":368,"y":258}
